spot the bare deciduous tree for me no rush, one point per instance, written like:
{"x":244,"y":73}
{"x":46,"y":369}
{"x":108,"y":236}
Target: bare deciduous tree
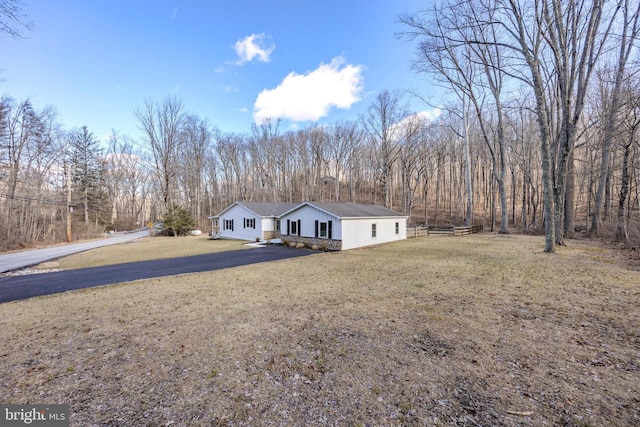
{"x":560,"y":43}
{"x":626,"y":43}
{"x":12,"y":20}
{"x":411,"y":157}
{"x":628,"y":138}
{"x":28,"y":155}
{"x":343,"y":139}
{"x":383,"y":113}
{"x":162,"y":123}
{"x":447,"y":49}
{"x":196,"y":145}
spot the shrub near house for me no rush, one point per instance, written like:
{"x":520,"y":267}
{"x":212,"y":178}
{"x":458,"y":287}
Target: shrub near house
{"x":177,"y":222}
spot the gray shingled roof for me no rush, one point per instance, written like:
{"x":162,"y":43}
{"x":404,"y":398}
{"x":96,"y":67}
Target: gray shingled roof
{"x":354,"y":210}
{"x":268,"y":209}
{"x":340,"y":209}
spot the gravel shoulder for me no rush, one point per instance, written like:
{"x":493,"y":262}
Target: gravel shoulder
{"x":479,"y":330}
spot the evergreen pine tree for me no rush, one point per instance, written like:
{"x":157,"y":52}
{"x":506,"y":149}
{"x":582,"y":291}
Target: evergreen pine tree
{"x":85,"y":158}
{"x":177,"y":221}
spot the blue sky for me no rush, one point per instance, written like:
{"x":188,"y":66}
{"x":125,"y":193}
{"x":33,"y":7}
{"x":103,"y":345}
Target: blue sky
{"x":234,"y":62}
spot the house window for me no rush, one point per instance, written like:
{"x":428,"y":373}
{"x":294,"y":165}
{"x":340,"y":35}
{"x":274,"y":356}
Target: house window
{"x":278,"y":225}
{"x":323,"y":229}
{"x":373,"y":230}
{"x":249,"y":223}
{"x":293,"y":228}
{"x":228,"y":224}
{"x":397,"y":228}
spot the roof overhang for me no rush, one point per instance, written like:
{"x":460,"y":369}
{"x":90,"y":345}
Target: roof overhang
{"x":239,"y":204}
{"x":303,"y":204}
{"x":375,"y":217}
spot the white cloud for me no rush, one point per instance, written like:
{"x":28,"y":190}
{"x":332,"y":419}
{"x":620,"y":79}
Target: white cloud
{"x":253,"y":47}
{"x":430,"y":115}
{"x":309,"y":97}
{"x":420,"y":118}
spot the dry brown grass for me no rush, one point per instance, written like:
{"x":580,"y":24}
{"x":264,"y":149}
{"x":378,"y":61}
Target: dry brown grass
{"x":144,"y":249}
{"x":480,"y":330}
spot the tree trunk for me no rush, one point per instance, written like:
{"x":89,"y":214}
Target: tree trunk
{"x":607,"y":193}
{"x":468,"y":220}
{"x":548,"y":196}
{"x":626,"y":45}
{"x":622,"y":234}
{"x":569,"y":209}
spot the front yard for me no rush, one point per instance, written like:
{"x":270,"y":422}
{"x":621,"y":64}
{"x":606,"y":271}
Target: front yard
{"x":478,"y":330}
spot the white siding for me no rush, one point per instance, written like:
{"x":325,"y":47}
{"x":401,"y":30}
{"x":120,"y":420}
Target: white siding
{"x":238,"y":214}
{"x":357,"y":231}
{"x":352,"y":232}
{"x":268,"y":224}
{"x":308,"y":215}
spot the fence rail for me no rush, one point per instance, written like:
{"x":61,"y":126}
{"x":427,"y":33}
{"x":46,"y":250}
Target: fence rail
{"x":429,"y":230}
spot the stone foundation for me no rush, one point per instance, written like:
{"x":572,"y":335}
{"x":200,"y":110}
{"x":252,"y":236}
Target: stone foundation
{"x":322,"y":244}
{"x":268,"y":235}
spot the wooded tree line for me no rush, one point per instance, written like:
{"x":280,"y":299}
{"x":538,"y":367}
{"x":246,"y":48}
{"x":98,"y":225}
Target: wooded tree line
{"x":489,"y":52}
{"x":539,"y":133}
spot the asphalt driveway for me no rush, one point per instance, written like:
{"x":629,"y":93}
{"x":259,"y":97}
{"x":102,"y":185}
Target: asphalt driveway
{"x":14,"y":288}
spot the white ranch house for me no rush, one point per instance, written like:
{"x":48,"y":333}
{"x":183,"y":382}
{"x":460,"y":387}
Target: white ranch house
{"x":248,"y":220}
{"x":334,"y":226}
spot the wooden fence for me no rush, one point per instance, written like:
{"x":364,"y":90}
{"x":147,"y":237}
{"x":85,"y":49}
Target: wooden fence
{"x":428,"y":230}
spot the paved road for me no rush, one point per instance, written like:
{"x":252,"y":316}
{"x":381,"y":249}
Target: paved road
{"x":17,"y":260}
{"x":14,"y":288}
